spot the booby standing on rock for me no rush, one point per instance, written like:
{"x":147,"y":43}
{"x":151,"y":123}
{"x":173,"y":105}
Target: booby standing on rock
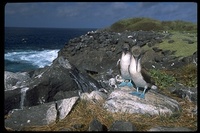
{"x":123,"y":64}
{"x":138,"y":75}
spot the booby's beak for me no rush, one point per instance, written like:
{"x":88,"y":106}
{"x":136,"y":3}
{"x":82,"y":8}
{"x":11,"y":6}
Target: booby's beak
{"x":137,"y":58}
{"x":125,"y":50}
{"x":136,"y":61}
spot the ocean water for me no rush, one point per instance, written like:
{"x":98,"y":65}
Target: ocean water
{"x":27,"y":49}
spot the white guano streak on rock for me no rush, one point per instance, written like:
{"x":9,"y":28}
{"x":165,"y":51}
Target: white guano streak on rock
{"x":23,"y":96}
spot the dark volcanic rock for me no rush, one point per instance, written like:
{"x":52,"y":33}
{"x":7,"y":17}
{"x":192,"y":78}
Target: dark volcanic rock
{"x":184,"y":92}
{"x":171,"y":41}
{"x":188,"y":40}
{"x":102,"y":54}
{"x":44,"y":114}
{"x":122,"y":126}
{"x":32,"y":116}
{"x":12,"y":100}
{"x":194,"y":57}
{"x":166,"y":52}
{"x":85,"y":82}
{"x":46,"y":84}
{"x":95,"y":125}
{"x":156,"y":49}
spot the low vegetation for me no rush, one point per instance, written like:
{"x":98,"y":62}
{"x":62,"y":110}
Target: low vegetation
{"x":146,"y":24}
{"x":186,"y":75}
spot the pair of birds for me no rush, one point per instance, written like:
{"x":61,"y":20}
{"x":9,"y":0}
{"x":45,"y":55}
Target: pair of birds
{"x":130,"y":69}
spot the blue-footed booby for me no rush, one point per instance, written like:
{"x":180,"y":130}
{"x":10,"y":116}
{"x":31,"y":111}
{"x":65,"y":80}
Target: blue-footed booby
{"x":123,"y":64}
{"x":139,"y":75}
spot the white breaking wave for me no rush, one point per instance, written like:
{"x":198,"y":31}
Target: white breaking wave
{"x":36,"y":58}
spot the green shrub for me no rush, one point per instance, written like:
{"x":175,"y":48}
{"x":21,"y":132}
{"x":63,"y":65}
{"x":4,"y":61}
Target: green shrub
{"x":161,"y":78}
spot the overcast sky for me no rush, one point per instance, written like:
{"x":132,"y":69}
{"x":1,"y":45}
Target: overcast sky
{"x":93,"y":14}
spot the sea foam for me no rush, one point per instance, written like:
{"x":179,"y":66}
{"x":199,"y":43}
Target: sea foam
{"x":36,"y":58}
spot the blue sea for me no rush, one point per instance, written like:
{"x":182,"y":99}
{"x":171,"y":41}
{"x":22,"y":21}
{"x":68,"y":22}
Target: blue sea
{"x":27,"y":49}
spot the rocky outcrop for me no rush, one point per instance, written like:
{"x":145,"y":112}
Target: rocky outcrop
{"x":182,"y":91}
{"x":85,"y":82}
{"x":46,"y":85}
{"x":101,"y":49}
{"x":43,"y":114}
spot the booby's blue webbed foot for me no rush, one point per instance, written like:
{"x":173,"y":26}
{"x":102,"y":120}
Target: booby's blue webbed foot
{"x":122,"y":84}
{"x":138,"y":94}
{"x":142,"y":95}
{"x":135,"y":93}
{"x":129,"y":84}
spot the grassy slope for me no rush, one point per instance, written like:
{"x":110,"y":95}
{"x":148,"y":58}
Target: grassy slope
{"x":179,"y":29}
{"x":133,"y":24}
{"x":182,"y":47}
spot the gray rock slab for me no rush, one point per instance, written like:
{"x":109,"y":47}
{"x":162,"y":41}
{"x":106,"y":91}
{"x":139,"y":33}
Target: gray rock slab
{"x":64,"y":106}
{"x":93,"y":96}
{"x":154,"y":103}
{"x":32,"y":116}
{"x":160,"y":128}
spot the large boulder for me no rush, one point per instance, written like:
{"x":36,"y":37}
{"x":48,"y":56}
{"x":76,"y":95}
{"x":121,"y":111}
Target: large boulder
{"x":33,"y":116}
{"x":39,"y":115}
{"x":154,"y":103}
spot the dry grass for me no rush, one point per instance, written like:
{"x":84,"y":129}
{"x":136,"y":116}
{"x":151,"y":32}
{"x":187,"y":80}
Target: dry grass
{"x":84,"y":112}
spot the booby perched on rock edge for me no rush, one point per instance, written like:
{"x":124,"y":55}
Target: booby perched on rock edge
{"x":138,"y":75}
{"x":123,"y":64}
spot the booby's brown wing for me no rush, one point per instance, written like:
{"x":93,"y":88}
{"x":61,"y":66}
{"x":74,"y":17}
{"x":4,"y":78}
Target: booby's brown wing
{"x":146,"y":76}
{"x":118,"y":66}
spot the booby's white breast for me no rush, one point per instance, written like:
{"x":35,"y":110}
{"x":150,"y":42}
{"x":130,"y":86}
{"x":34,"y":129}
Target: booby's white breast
{"x":124,"y":64}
